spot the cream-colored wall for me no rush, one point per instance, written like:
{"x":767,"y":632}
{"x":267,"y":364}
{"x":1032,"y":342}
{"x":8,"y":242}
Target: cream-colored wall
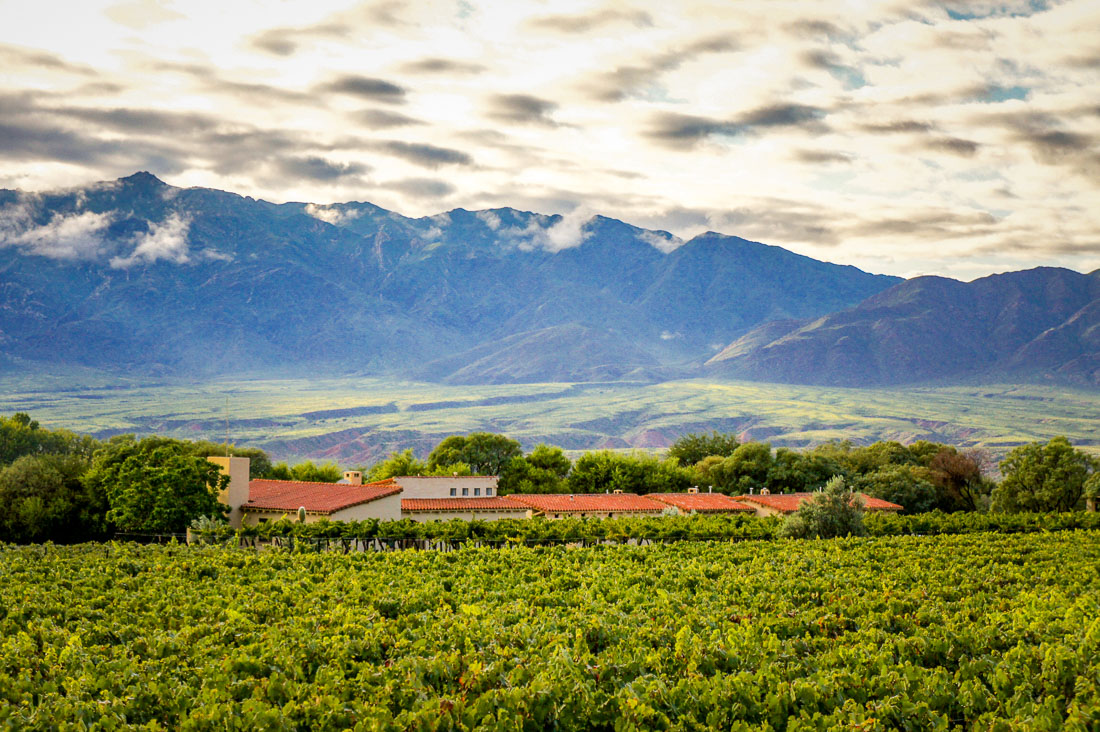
{"x":384,"y":509}
{"x":464,"y":515}
{"x":600,"y":514}
{"x":415,"y":486}
{"x":236,"y":493}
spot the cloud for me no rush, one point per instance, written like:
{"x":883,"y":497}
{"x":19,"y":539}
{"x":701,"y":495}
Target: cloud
{"x":522,"y":108}
{"x":573,"y":24}
{"x":821,"y":157}
{"x":661,"y":241}
{"x":382,"y":119}
{"x":319,"y":169}
{"x":332,"y":214}
{"x":65,"y":236}
{"x":490,"y":219}
{"x":634,"y":79}
{"x":365,"y":87}
{"x":15,"y":58}
{"x":166,"y":240}
{"x":897,"y":127}
{"x":421,"y":187}
{"x":952,"y":145}
{"x":683,"y":132}
{"x":445,"y":66}
{"x":430,"y":156}
{"x":140,"y":14}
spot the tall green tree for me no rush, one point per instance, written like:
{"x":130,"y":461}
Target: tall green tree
{"x":1043,"y":477}
{"x":543,"y":470}
{"x":20,"y":435}
{"x":44,"y":500}
{"x":486,"y":453}
{"x":155,"y":484}
{"x":306,"y":472}
{"x":691,"y":448}
{"x":605,"y":471}
{"x":398,"y":463}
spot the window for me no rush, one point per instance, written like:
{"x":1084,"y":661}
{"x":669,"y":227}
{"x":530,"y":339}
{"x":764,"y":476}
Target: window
{"x":263,"y":521}
{"x":488,"y":491}
{"x":454,"y":491}
{"x":477,"y":491}
{"x":465,"y":491}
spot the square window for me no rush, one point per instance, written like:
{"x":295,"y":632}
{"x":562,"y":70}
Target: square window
{"x":453,"y":491}
{"x":477,"y":491}
{"x":465,"y":491}
{"x":488,"y":491}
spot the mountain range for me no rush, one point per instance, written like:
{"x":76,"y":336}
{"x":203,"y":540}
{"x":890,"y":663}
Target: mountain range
{"x":138,"y":276}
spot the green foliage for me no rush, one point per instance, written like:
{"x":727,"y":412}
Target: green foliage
{"x":306,"y":472}
{"x":1043,"y":477}
{"x":605,"y":471}
{"x":960,"y":476}
{"x":20,"y":435}
{"x":259,"y":464}
{"x":834,"y":511}
{"x":692,"y":447}
{"x":543,"y":470}
{"x":910,"y":486}
{"x":969,"y":632}
{"x":154,"y":484}
{"x":745,"y":470}
{"x":398,"y":463}
{"x":45,"y":500}
{"x":486,"y":453}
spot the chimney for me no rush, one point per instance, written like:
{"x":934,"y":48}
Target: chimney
{"x":353,"y":477}
{"x":616,"y":491}
{"x":693,"y":489}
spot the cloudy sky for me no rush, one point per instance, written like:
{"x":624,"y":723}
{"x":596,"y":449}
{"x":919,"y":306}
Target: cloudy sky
{"x":957,"y":138}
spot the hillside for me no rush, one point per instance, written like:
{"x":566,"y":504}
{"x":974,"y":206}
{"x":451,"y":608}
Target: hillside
{"x":1038,"y":324}
{"x":141,"y":277}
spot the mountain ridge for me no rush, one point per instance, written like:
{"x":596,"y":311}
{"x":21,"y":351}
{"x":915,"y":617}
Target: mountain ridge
{"x":137,"y":275}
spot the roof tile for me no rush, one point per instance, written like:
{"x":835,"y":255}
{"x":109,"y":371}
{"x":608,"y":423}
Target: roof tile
{"x":289,"y":495}
{"x":588,"y":502}
{"x":492,"y":503}
{"x":702,"y":502}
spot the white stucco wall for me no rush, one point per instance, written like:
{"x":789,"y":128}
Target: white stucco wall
{"x":464,"y":515}
{"x":384,"y":509}
{"x":415,"y":486}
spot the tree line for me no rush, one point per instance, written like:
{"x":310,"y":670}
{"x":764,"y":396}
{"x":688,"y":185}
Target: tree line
{"x":56,"y":485}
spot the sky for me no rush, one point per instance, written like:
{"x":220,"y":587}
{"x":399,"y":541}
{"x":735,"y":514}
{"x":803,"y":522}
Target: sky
{"x":907,"y":138}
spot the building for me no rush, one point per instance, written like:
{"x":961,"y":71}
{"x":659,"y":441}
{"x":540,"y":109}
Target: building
{"x":467,"y":509}
{"x":696,"y":502}
{"x":589,"y":505}
{"x":447,"y":486}
{"x":271,"y":500}
{"x":786,"y":503}
{"x":236,"y":493}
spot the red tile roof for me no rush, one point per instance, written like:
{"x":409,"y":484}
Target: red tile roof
{"x":588,"y":503}
{"x":789,"y":502}
{"x":289,"y":495}
{"x":492,"y":503}
{"x":702,"y":502}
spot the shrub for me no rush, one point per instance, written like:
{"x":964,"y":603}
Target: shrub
{"x":835,"y":511}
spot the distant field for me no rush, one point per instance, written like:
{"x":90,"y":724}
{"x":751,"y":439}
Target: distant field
{"x":358,"y":420}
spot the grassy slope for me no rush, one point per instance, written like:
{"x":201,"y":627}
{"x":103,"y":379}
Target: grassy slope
{"x":356,"y":420}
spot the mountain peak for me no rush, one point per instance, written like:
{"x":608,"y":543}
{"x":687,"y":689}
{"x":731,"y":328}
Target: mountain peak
{"x":142,"y":178}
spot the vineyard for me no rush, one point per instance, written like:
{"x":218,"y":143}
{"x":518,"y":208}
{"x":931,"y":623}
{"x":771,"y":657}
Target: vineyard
{"x":989,"y":631}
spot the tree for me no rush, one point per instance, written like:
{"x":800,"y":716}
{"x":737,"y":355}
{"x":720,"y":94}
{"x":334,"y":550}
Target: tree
{"x":1040,"y":477}
{"x":155,"y":484}
{"x":44,"y":500}
{"x":543,"y":470}
{"x":259,"y":464}
{"x":960,"y":478}
{"x":605,"y":471}
{"x":305,"y":472}
{"x":691,"y":448}
{"x":834,"y":511}
{"x":486,"y":453}
{"x":909,"y":486}
{"x":398,"y":463}
{"x":795,"y":472}
{"x":20,"y":435}
{"x":746,"y":470}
